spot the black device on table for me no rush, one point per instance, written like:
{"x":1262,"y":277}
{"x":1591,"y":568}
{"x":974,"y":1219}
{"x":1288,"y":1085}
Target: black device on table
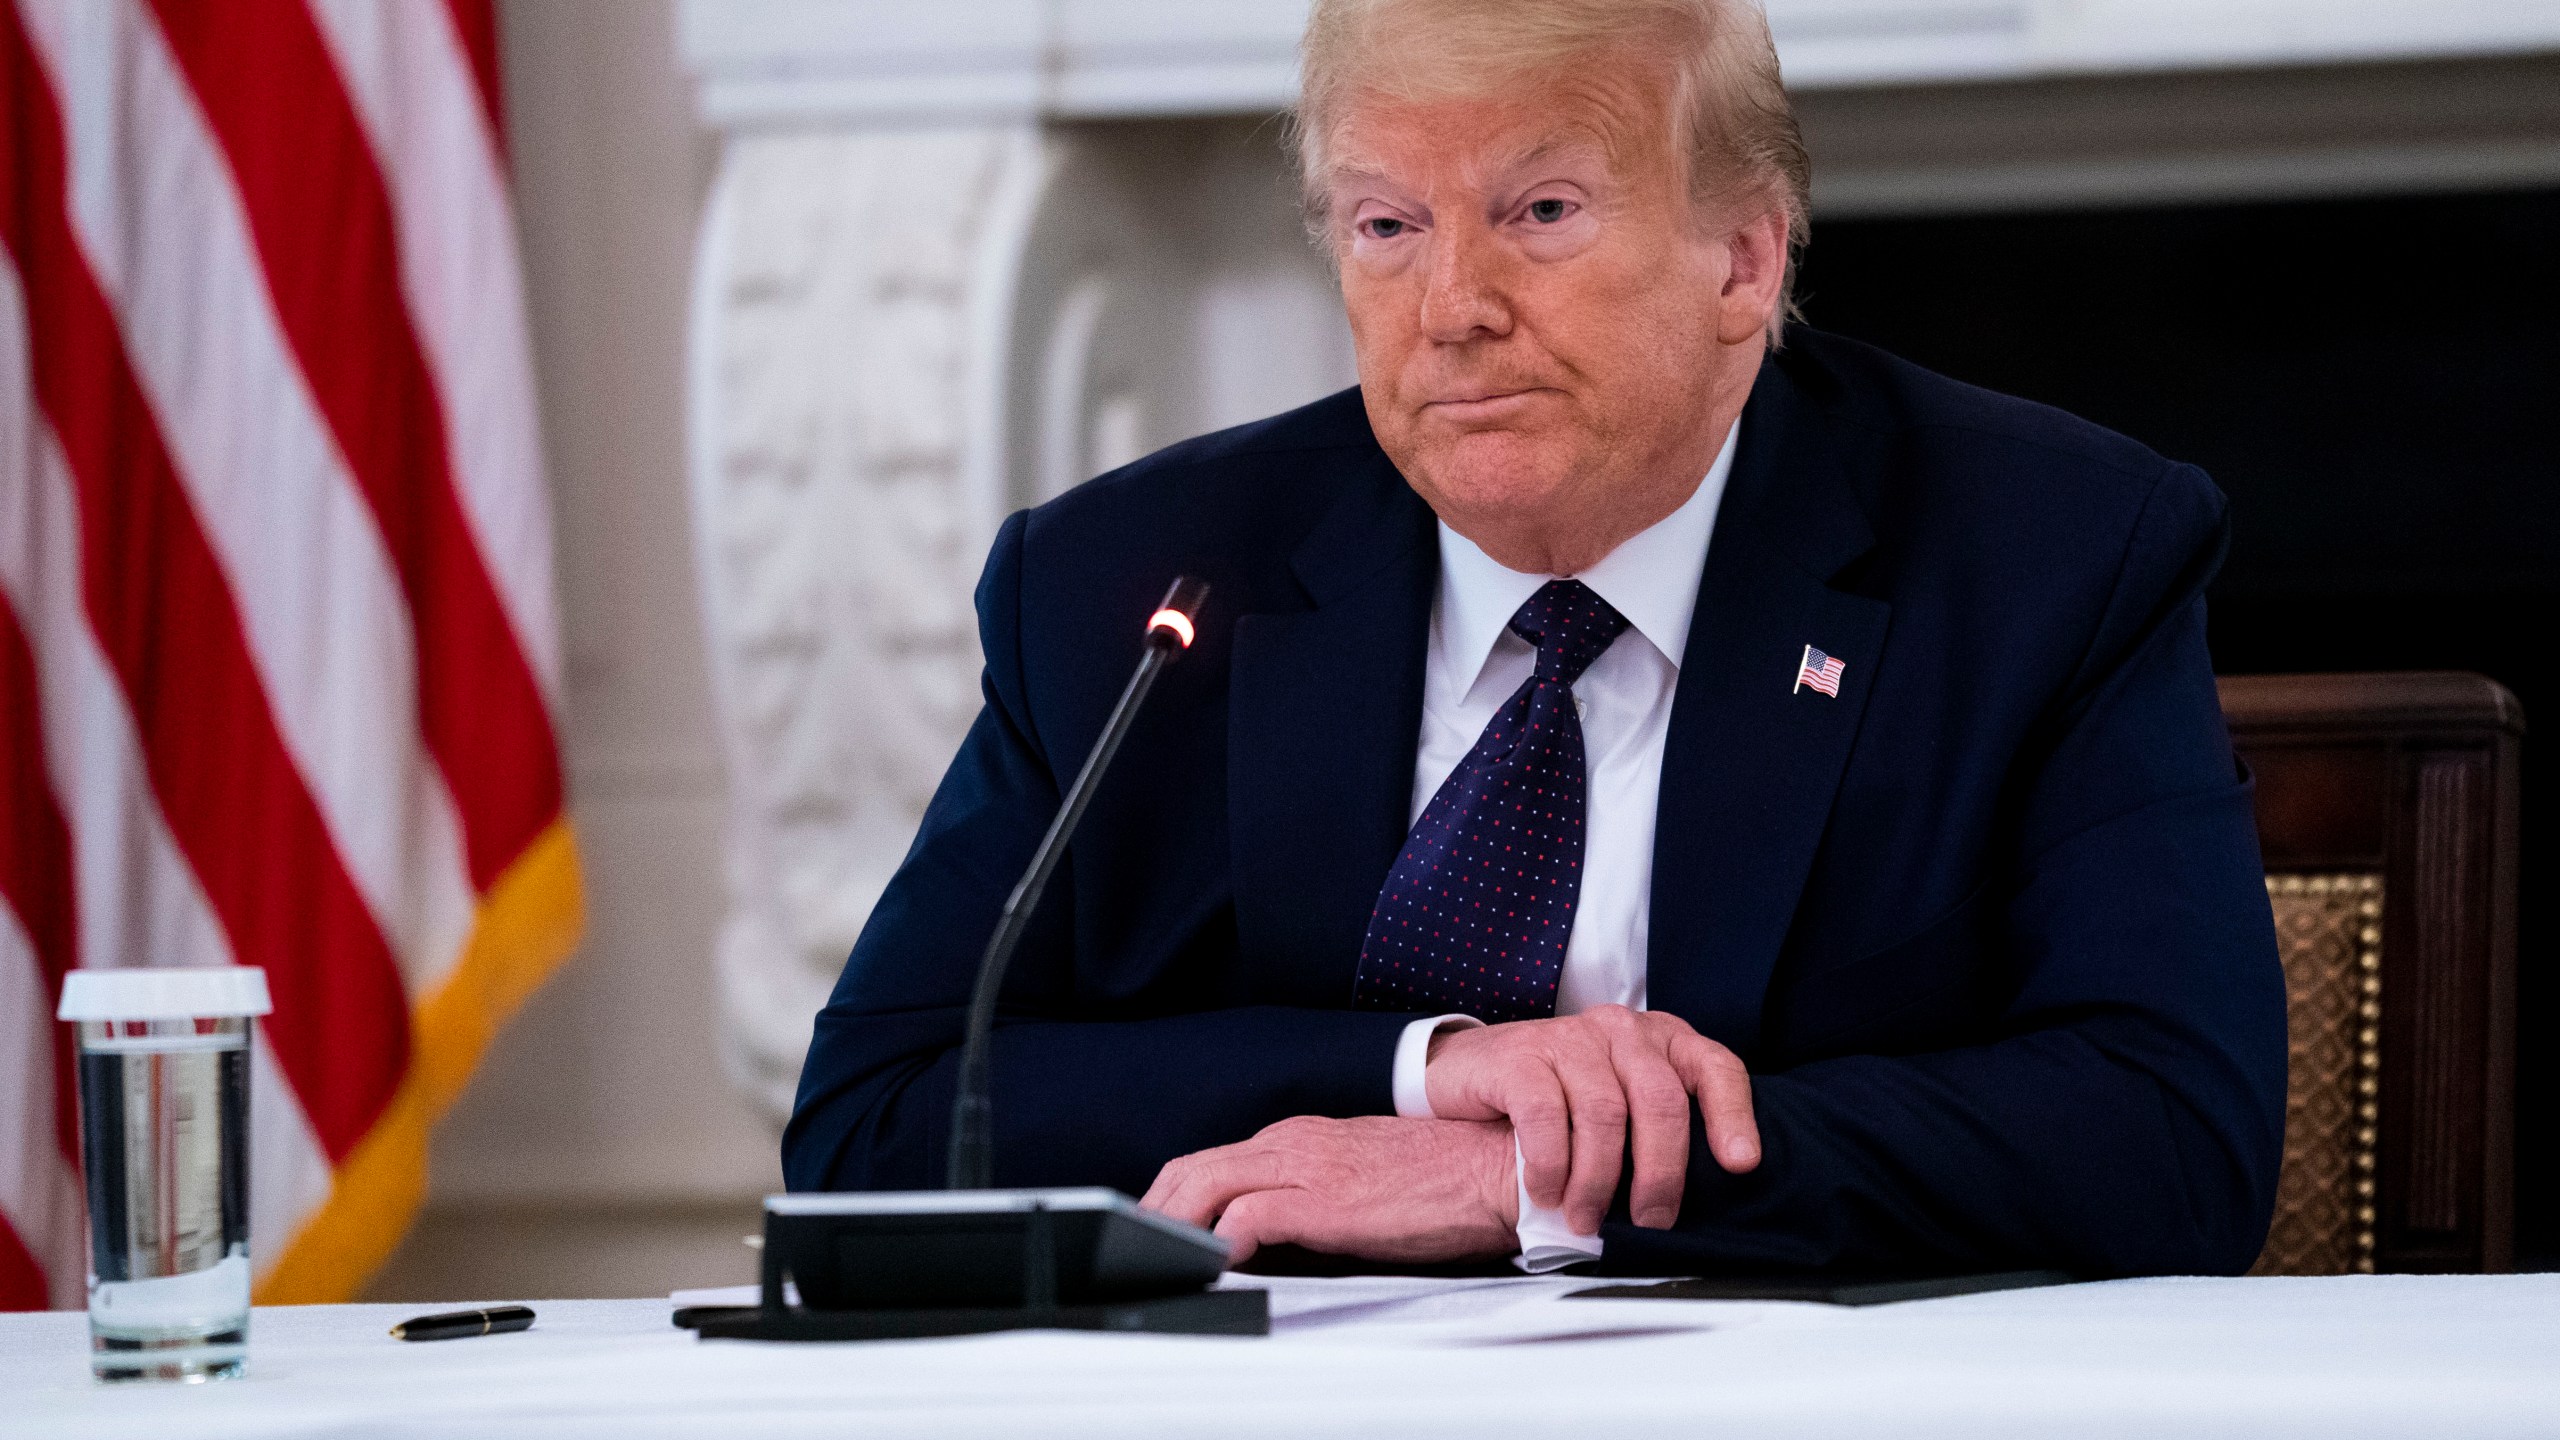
{"x":973,"y":1258}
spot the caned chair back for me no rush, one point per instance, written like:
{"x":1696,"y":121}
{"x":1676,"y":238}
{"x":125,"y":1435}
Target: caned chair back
{"x":2387,"y":811}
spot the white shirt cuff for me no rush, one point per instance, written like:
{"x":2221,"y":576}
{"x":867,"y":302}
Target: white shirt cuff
{"x":1547,"y":1242}
{"x":1413,"y":1051}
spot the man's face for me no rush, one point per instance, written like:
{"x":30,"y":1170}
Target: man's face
{"x":1540,"y":315}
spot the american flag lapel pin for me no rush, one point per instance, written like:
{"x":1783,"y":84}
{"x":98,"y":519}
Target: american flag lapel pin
{"x":1820,"y":671}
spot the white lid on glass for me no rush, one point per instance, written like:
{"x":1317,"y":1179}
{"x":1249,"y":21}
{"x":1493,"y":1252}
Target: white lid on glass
{"x":164,"y":992}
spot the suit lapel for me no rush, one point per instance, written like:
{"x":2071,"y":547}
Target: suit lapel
{"x":1321,"y":736}
{"x":1751,"y":763}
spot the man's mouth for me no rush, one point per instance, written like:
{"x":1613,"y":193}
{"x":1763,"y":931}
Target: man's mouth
{"x":1480,"y":405}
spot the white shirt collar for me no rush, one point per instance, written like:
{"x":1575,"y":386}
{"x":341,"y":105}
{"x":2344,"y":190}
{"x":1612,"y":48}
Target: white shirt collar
{"x":1652,"y":579}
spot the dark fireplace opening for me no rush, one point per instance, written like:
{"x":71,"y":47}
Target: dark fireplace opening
{"x":2375,"y":383}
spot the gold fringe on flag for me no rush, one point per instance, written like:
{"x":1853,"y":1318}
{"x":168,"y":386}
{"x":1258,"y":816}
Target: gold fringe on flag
{"x":529,"y":923}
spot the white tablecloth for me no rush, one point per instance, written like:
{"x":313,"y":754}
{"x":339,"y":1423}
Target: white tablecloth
{"x":2373,"y":1356}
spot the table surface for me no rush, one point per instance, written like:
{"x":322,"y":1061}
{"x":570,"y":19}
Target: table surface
{"x":2348,"y":1356}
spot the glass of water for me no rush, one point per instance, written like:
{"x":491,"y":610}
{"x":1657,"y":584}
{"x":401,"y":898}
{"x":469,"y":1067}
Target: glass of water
{"x":164,"y":1129}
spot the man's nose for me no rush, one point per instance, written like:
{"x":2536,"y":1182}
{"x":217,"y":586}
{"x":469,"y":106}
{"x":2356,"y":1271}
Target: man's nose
{"x":1463,"y":295}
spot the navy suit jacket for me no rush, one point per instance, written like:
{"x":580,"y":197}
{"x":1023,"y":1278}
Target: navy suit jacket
{"x":1989,"y":928}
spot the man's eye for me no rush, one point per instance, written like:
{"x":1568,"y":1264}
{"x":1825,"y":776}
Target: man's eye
{"x":1383,"y":228}
{"x":1546,"y":212}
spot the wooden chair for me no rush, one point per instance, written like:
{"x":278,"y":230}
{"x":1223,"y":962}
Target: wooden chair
{"x":2387,"y":809}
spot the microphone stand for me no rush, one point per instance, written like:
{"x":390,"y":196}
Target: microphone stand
{"x":972,"y":1159}
{"x":969,"y":1258}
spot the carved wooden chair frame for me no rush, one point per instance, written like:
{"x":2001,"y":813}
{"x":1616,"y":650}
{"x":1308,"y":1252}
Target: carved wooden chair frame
{"x":2387,"y":811}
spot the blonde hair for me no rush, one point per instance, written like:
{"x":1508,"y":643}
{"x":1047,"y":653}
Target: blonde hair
{"x":1729,"y":110}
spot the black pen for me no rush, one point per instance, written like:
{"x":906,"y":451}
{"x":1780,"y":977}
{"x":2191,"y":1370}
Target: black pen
{"x":496,"y":1320}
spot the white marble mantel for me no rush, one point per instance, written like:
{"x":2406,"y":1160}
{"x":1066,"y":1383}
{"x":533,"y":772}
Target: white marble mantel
{"x":794,"y":61}
{"x":960,"y":256}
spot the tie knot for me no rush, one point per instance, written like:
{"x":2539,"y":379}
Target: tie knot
{"x":1570,"y":626}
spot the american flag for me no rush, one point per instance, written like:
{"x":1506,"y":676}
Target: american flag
{"x":1819,"y":671}
{"x":278,"y":661}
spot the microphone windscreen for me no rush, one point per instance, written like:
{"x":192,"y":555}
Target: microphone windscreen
{"x":1186,"y":595}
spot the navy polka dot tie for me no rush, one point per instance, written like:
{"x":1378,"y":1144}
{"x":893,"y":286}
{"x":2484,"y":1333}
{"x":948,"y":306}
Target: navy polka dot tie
{"x":1475,"y":915}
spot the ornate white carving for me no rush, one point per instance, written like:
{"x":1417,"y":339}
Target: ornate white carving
{"x":899,"y":335}
{"x":840,"y":374}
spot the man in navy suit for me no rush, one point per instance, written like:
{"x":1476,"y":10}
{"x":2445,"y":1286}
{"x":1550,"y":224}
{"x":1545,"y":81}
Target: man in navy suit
{"x":1653,"y":784}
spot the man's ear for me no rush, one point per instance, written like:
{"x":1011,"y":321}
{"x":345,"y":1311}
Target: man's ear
{"x":1756,"y":268}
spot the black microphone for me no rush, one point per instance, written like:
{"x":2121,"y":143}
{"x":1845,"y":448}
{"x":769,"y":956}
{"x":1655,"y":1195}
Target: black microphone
{"x":972,"y":1258}
{"x":1170,"y":631}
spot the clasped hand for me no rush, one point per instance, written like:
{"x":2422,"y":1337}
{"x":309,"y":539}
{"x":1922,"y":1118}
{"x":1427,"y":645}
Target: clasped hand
{"x":1585,"y":1097}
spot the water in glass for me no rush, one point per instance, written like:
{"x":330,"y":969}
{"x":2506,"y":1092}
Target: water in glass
{"x":165,"y":1104}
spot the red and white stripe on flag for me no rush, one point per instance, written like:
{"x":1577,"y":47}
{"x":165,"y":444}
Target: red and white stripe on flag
{"x":278,"y":657}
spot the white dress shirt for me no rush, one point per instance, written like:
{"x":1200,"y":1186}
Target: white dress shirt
{"x":1624,"y":700}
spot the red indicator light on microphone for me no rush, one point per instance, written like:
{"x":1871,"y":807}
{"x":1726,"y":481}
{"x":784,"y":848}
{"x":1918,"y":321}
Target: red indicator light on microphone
{"x":1175,"y":622}
{"x":1176,"y":616}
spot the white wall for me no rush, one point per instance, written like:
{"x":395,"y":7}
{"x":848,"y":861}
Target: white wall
{"x":601,"y":1150}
